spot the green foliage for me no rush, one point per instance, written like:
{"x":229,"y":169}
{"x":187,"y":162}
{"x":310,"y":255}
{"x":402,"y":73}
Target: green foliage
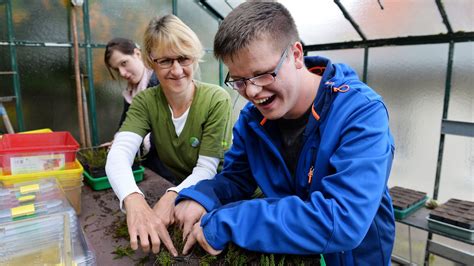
{"x":234,"y":256}
{"x":121,"y":252}
{"x":93,"y":157}
{"x":121,"y":230}
{"x":142,"y":261}
{"x":207,"y":260}
{"x":163,"y":258}
{"x":96,"y":157}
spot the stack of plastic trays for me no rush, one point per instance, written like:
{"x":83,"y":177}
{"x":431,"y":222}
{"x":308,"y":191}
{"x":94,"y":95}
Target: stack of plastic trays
{"x":37,"y":233}
{"x":38,"y":226}
{"x":24,"y":193}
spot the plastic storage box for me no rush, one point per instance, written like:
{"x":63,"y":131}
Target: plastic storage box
{"x":42,"y":232}
{"x":24,"y":193}
{"x":42,"y":240}
{"x":70,"y":181}
{"x":30,"y":153}
{"x":101,"y":183}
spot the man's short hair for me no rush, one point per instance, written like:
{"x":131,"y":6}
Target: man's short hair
{"x":251,"y":21}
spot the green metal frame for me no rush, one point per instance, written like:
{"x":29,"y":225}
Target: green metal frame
{"x":90,"y":75}
{"x":14,"y":65}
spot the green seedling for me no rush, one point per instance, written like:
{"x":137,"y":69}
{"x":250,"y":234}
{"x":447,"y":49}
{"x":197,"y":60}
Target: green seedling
{"x":121,"y":252}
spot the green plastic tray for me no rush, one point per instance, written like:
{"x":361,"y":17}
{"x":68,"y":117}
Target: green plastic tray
{"x":101,"y":183}
{"x":450,"y":229}
{"x":401,"y":214}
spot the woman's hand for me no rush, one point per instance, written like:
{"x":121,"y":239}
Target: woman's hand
{"x":143,"y":223}
{"x":164,"y":208}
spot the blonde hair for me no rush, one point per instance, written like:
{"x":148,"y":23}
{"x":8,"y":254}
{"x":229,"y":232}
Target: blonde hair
{"x":169,"y":33}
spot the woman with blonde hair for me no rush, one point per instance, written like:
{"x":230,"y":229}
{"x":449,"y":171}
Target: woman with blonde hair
{"x":189,"y":120}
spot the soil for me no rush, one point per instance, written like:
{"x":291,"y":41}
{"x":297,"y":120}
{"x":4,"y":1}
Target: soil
{"x":105,"y":227}
{"x":403,"y":198}
{"x":455,"y":212}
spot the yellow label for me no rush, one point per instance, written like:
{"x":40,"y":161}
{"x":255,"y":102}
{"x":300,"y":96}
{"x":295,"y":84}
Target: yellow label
{"x":26,"y":198}
{"x":29,"y":189}
{"x":23,"y":210}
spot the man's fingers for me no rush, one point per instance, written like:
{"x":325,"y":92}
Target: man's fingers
{"x":187,"y":227}
{"x":190,"y":241}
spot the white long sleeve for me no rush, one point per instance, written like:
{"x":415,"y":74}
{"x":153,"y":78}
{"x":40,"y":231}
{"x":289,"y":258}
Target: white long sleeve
{"x":206,"y":168}
{"x":119,"y":164}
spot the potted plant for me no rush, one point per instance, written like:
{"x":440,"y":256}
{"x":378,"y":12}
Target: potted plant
{"x":93,"y":160}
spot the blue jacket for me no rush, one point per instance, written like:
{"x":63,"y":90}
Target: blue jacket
{"x":343,"y":210}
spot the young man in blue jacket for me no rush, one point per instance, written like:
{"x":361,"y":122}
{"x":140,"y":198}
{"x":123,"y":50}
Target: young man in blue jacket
{"x":313,"y":138}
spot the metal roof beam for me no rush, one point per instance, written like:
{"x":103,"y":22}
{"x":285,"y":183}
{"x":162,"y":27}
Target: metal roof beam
{"x":210,"y":9}
{"x":444,"y":15}
{"x":351,"y":20}
{"x":410,"y":40}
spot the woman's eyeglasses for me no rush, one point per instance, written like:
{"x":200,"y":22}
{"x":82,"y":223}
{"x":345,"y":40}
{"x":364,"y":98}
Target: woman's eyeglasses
{"x":168,"y":62}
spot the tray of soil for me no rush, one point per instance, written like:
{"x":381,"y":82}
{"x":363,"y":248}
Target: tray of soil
{"x":405,"y":201}
{"x":455,"y":217}
{"x":93,"y":160}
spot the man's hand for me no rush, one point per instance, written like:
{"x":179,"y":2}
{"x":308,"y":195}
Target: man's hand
{"x":143,"y":223}
{"x":164,"y":208}
{"x":198,"y":235}
{"x":188,"y":213}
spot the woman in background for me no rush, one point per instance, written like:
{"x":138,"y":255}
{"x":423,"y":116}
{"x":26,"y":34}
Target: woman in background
{"x":123,"y":57}
{"x":190,"y":123}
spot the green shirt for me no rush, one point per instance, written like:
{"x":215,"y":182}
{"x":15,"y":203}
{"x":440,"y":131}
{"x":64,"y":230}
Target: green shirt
{"x":207,"y":130}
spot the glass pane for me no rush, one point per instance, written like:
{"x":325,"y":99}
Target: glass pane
{"x":200,"y":21}
{"x":109,"y":99}
{"x":209,"y":69}
{"x":123,"y":18}
{"x":317,"y":20}
{"x":3,"y":23}
{"x":48,"y":89}
{"x":460,"y":14}
{"x":397,"y":19}
{"x":402,"y":244}
{"x":457,"y":171}
{"x":234,"y":3}
{"x":458,"y":159}
{"x":461,"y":106}
{"x":411,"y":80}
{"x":40,"y":21}
{"x":353,"y":57}
{"x":222,"y":7}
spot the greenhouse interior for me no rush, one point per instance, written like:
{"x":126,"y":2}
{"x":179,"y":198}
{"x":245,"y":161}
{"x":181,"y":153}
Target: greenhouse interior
{"x":416,"y":55}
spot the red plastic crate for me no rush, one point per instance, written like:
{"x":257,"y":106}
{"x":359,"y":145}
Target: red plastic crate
{"x":29,"y":153}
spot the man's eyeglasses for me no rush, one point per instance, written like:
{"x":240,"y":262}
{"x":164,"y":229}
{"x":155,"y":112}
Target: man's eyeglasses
{"x":260,"y":80}
{"x":168,"y":62}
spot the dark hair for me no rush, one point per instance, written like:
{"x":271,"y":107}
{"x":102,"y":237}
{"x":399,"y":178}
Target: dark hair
{"x":251,"y":21}
{"x":125,"y":46}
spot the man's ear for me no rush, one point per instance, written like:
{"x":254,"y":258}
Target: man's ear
{"x":298,"y":55}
